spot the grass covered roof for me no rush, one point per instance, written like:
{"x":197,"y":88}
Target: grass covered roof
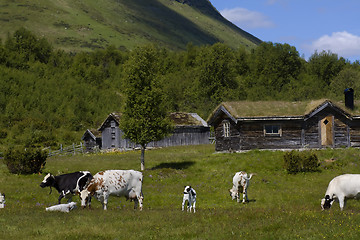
{"x":243,"y":109}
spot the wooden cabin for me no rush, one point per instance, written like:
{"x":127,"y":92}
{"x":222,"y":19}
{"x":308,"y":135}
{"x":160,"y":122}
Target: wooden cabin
{"x":317,"y":124}
{"x":190,"y":129}
{"x":92,"y":140}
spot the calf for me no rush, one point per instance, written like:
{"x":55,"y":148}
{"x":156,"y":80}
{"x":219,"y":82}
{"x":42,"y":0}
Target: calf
{"x":190,"y":197}
{"x":127,"y":183}
{"x":340,"y":189}
{"x":240,"y":184}
{"x":67,"y":207}
{"x":67,"y":184}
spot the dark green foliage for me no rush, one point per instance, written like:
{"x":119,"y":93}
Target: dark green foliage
{"x":145,"y":117}
{"x":51,"y":96}
{"x":295,"y":162}
{"x":25,"y":160}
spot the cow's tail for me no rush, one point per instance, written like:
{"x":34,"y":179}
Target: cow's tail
{"x":250,"y":175}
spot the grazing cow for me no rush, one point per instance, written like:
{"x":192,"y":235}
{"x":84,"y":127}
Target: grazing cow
{"x":240,"y":184}
{"x":67,"y":184}
{"x":190,"y":197}
{"x":65,"y":207}
{"x":340,"y":189}
{"x":2,"y":200}
{"x":127,"y":183}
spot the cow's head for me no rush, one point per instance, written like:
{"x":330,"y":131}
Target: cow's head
{"x":187,"y":189}
{"x":232,"y":194}
{"x":48,"y":181}
{"x":326,"y":202}
{"x":84,"y":197}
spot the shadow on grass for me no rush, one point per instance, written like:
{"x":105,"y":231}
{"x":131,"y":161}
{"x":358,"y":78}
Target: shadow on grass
{"x":174,"y":165}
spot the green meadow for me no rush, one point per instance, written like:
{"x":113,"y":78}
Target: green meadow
{"x":281,"y":206}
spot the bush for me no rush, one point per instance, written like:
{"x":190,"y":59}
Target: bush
{"x":295,"y":162}
{"x":25,"y":161}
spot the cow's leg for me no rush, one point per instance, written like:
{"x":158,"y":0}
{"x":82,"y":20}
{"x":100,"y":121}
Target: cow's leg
{"x":89,"y":202}
{"x":194,"y":206}
{"x":69,"y":197}
{"x":62,"y":195}
{"x":244,"y":196}
{"x":136,"y":203}
{"x":140,"y":199}
{"x":341,"y":202}
{"x":183,"y":203}
{"x":105,"y":200}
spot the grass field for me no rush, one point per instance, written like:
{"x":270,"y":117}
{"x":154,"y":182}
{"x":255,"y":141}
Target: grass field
{"x":281,"y":206}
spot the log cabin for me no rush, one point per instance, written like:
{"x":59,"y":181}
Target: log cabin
{"x":279,"y":125}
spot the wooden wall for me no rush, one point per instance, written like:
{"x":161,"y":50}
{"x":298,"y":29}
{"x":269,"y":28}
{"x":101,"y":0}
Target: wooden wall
{"x":296,"y":134}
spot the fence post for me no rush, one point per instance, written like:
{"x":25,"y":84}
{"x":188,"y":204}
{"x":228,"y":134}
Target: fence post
{"x":74,"y":148}
{"x":61,"y":149}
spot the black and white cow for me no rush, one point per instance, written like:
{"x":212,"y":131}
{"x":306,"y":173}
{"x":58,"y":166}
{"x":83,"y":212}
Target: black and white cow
{"x":190,"y":198}
{"x":67,"y":184}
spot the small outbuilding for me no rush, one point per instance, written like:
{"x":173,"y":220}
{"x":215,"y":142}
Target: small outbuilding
{"x":92,"y":140}
{"x":248,"y":125}
{"x":189,"y":129}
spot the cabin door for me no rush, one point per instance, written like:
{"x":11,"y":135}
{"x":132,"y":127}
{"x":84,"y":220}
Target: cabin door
{"x":327,"y":135}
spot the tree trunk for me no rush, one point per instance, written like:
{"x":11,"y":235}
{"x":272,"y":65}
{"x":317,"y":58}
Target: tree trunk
{"x":142,"y":158}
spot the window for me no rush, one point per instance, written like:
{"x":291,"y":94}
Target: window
{"x":226,"y":129}
{"x":272,"y":130}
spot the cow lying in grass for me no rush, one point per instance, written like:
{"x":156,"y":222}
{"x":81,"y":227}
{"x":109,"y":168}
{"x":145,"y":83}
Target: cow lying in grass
{"x":240,"y":184}
{"x":340,"y":189}
{"x":190,"y":198}
{"x":66,"y":207}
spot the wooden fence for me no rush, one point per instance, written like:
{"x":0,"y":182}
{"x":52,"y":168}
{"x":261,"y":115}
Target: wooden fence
{"x":68,"y":150}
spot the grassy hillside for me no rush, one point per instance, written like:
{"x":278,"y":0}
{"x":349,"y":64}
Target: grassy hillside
{"x":91,"y":24}
{"x":281,"y":206}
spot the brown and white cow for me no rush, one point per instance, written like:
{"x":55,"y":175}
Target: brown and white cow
{"x":127,"y":183}
{"x":240,"y":184}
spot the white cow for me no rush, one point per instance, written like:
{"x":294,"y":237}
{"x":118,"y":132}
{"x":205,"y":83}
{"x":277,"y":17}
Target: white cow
{"x":341,"y":188}
{"x":127,"y":183}
{"x":190,"y":197}
{"x":240,"y":184}
{"x":66,"y":207}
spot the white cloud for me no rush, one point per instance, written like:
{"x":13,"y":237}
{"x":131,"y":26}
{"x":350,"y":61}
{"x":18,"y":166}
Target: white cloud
{"x":247,"y":19}
{"x":342,"y":43}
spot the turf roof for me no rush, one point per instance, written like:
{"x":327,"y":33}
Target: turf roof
{"x":242,"y":109}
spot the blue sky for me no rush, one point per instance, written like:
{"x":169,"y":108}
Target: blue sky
{"x":308,"y":25}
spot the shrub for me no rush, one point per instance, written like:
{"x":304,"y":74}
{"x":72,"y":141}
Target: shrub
{"x":295,"y":162}
{"x":25,"y":161}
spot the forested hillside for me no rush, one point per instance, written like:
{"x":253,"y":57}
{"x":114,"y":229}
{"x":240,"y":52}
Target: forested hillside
{"x":92,"y":24}
{"x":49,"y":96}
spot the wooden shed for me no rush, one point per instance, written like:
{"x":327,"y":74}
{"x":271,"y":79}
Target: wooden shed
{"x":285,"y":125}
{"x":92,"y":140}
{"x":190,"y":129}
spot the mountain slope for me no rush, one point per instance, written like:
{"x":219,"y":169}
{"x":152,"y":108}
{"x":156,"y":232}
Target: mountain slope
{"x":85,"y":25}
